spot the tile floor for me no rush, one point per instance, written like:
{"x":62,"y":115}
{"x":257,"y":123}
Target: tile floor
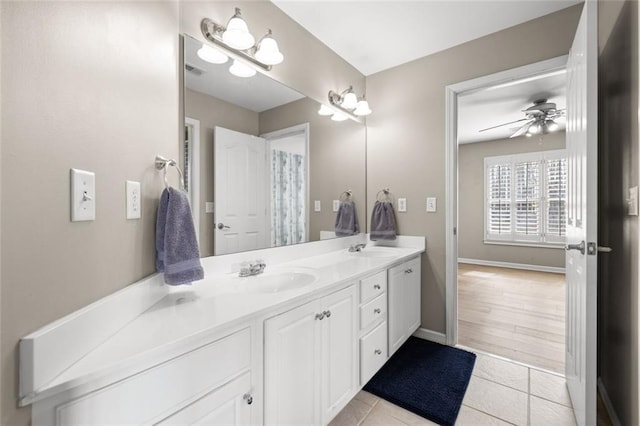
{"x":499,"y":393}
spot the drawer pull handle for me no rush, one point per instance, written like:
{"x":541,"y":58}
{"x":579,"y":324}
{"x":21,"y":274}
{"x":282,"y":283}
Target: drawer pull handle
{"x":320,"y":316}
{"x":248,"y":398}
{"x":377,"y":352}
{"x":408,"y":271}
{"x":377,"y":311}
{"x":327,"y":313}
{"x":377,"y":287}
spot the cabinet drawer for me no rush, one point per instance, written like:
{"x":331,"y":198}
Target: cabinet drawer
{"x":373,"y":286}
{"x":373,"y":352}
{"x":373,"y":311}
{"x":168,"y":385}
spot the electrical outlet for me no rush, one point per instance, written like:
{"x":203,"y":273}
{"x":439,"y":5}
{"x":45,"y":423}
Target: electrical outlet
{"x":316,"y":206}
{"x":402,"y":205}
{"x":133,"y":199}
{"x":336,"y":205}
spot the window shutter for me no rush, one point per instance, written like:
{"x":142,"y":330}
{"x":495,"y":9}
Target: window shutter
{"x":556,"y":203}
{"x":527,"y":199}
{"x":499,"y":199}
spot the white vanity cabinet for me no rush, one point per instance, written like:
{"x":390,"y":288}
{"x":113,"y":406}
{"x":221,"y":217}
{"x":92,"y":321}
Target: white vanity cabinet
{"x":203,"y":386}
{"x":404,"y":302}
{"x":373,"y":325}
{"x":310,"y":364}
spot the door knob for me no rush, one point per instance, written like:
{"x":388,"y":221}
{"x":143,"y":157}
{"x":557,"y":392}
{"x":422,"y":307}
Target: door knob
{"x":376,"y":287}
{"x":580,"y":247}
{"x":378,"y":352}
{"x":377,"y":311}
{"x":320,"y":316}
{"x":248,"y":398}
{"x":327,"y":313}
{"x":222,"y":226}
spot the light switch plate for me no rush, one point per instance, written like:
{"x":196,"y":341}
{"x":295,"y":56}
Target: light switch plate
{"x":431,"y":204}
{"x":336,"y":205}
{"x":133,"y":199}
{"x":402,"y":205}
{"x":83,"y":195}
{"x":316,"y":205}
{"x":633,"y":201}
{"x":208,"y":207}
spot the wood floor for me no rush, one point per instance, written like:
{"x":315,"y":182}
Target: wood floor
{"x":513,"y":313}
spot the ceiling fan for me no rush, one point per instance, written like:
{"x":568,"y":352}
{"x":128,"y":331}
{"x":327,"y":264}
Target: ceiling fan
{"x":539,"y":119}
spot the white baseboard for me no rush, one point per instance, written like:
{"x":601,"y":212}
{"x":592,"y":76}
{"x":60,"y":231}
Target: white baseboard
{"x":433,"y":336}
{"x":607,"y":403}
{"x":540,"y":268}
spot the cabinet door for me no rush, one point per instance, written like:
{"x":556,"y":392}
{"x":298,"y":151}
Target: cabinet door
{"x":397,"y":317}
{"x":412,"y":293}
{"x":292,"y":367}
{"x":339,"y":351}
{"x":224,"y":406}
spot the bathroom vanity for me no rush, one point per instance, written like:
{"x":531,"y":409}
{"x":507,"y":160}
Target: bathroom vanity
{"x":290,"y":346}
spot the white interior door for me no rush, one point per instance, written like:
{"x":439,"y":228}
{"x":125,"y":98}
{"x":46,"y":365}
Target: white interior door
{"x":240,"y":200}
{"x":582,"y":230}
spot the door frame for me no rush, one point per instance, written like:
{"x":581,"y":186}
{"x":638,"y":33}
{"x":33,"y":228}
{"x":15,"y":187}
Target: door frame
{"x":194,"y":172}
{"x":451,"y":170}
{"x":298,"y":129}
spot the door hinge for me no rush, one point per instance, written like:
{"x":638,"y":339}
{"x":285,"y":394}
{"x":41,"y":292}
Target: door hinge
{"x":455,"y":231}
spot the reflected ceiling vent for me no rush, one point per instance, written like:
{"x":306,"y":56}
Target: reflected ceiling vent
{"x":194,"y":70}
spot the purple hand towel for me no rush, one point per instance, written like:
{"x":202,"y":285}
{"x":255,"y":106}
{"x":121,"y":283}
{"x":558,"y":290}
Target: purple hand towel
{"x":383,"y":221}
{"x":346,"y":220}
{"x":177,"y":253}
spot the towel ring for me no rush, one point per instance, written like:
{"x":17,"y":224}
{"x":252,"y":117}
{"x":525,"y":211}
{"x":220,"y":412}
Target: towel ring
{"x":163,"y":163}
{"x":386,"y":195}
{"x":346,"y":195}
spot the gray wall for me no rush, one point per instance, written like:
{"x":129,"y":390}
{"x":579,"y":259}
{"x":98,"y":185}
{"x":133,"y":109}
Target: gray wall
{"x":213,"y":112}
{"x":405,"y":133}
{"x":337,"y":159}
{"x":618,"y":170}
{"x":471,"y":196}
{"x":96,"y":87}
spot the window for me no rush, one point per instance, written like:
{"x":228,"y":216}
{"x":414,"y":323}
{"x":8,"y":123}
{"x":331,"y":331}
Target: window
{"x":526,"y":198}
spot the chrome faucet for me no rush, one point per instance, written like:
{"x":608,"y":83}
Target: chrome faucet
{"x":248,"y":269}
{"x":356,"y":248}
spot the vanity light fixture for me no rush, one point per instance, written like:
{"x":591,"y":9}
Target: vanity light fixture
{"x":212,"y":55}
{"x":236,"y":42}
{"x":346,"y":104}
{"x":241,"y":70}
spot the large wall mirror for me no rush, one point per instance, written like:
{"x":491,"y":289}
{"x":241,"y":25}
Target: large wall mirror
{"x":260,"y":162}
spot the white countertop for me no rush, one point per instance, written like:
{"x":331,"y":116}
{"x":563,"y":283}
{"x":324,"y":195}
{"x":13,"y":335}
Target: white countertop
{"x":186,"y":314}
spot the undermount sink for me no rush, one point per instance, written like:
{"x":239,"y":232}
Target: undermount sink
{"x":377,"y":252}
{"x":274,"y":282}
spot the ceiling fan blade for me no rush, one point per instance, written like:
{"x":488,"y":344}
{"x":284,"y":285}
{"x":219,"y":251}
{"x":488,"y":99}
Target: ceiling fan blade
{"x":521,"y":130}
{"x":504,"y":124}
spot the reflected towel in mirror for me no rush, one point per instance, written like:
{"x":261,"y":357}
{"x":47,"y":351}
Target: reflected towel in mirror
{"x":383,"y":221}
{"x":347,"y":219}
{"x":177,"y":253}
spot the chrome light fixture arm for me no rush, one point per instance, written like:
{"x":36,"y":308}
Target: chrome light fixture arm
{"x":335,"y":101}
{"x":212,"y":31}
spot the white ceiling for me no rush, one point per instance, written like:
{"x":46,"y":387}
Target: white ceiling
{"x":504,"y":103}
{"x":376,"y":35}
{"x":258,"y":93}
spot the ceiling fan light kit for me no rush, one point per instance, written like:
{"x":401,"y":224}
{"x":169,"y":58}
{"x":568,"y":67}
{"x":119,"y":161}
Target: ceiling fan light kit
{"x":236,"y":42}
{"x":540,"y":119}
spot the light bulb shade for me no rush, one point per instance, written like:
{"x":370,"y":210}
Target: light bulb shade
{"x":241,"y":70}
{"x":211,"y":55}
{"x":338,"y":116}
{"x":528,"y":134}
{"x":237,"y":33}
{"x":552,"y":125}
{"x":325,"y":110}
{"x":268,"y":52}
{"x":534,"y":129}
{"x":350,"y":100}
{"x":362,"y":108}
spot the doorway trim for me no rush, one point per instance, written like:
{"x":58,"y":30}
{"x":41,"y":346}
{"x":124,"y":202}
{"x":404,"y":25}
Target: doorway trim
{"x":451,"y":170}
{"x":194,"y":172}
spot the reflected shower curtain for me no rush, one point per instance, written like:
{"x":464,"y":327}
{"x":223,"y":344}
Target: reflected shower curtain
{"x":287,"y":199}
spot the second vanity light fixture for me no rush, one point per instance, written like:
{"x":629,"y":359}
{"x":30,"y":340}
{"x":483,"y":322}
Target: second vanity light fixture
{"x":237,"y":42}
{"x":345,"y":105}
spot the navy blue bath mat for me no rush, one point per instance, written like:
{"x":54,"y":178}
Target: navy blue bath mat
{"x":426,"y":378}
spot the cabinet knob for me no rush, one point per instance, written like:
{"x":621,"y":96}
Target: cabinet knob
{"x":248,"y":398}
{"x":377,"y":352}
{"x":377,"y":311}
{"x":327,"y":313}
{"x":320,"y":316}
{"x":408,"y":271}
{"x":377,"y":287}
